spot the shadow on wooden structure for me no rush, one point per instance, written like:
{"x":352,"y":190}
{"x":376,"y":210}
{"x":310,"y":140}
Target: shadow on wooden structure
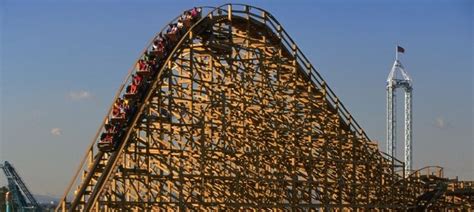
{"x":237,"y":118}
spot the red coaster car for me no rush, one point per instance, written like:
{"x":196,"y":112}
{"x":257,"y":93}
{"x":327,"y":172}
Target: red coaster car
{"x":106,"y":143}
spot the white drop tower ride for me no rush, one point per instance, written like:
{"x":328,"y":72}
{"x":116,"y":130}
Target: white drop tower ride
{"x":398,"y":78}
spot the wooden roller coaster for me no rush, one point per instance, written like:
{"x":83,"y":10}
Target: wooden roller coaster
{"x":235,"y":117}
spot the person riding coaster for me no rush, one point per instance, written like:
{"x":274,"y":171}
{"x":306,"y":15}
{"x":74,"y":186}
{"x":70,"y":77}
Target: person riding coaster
{"x":142,"y":67}
{"x":187,"y":19}
{"x":118,"y":111}
{"x":149,"y":58}
{"x":195,"y":14}
{"x":106,"y":142}
{"x":132,"y":89}
{"x":158,"y":49}
{"x":109,"y":140}
{"x":172,"y":33}
{"x":110,"y":128}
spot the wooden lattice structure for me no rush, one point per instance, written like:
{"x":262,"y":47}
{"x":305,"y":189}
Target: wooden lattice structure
{"x":238,"y":118}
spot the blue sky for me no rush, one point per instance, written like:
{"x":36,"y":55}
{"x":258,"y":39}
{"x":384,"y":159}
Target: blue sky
{"x":61,"y":63}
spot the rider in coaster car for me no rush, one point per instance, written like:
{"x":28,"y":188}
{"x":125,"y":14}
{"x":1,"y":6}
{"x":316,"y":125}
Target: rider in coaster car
{"x":118,"y":110}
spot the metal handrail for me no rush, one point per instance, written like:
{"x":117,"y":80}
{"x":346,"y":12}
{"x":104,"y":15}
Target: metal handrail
{"x":438,"y":170}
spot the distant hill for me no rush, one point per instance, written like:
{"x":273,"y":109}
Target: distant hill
{"x":45,"y":199}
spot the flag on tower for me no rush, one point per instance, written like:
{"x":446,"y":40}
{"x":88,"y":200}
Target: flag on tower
{"x":400,"y":49}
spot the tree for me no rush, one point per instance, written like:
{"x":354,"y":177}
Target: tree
{"x":3,"y":191}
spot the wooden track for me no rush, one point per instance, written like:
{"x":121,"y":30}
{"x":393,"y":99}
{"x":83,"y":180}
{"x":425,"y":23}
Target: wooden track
{"x":250,"y":125}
